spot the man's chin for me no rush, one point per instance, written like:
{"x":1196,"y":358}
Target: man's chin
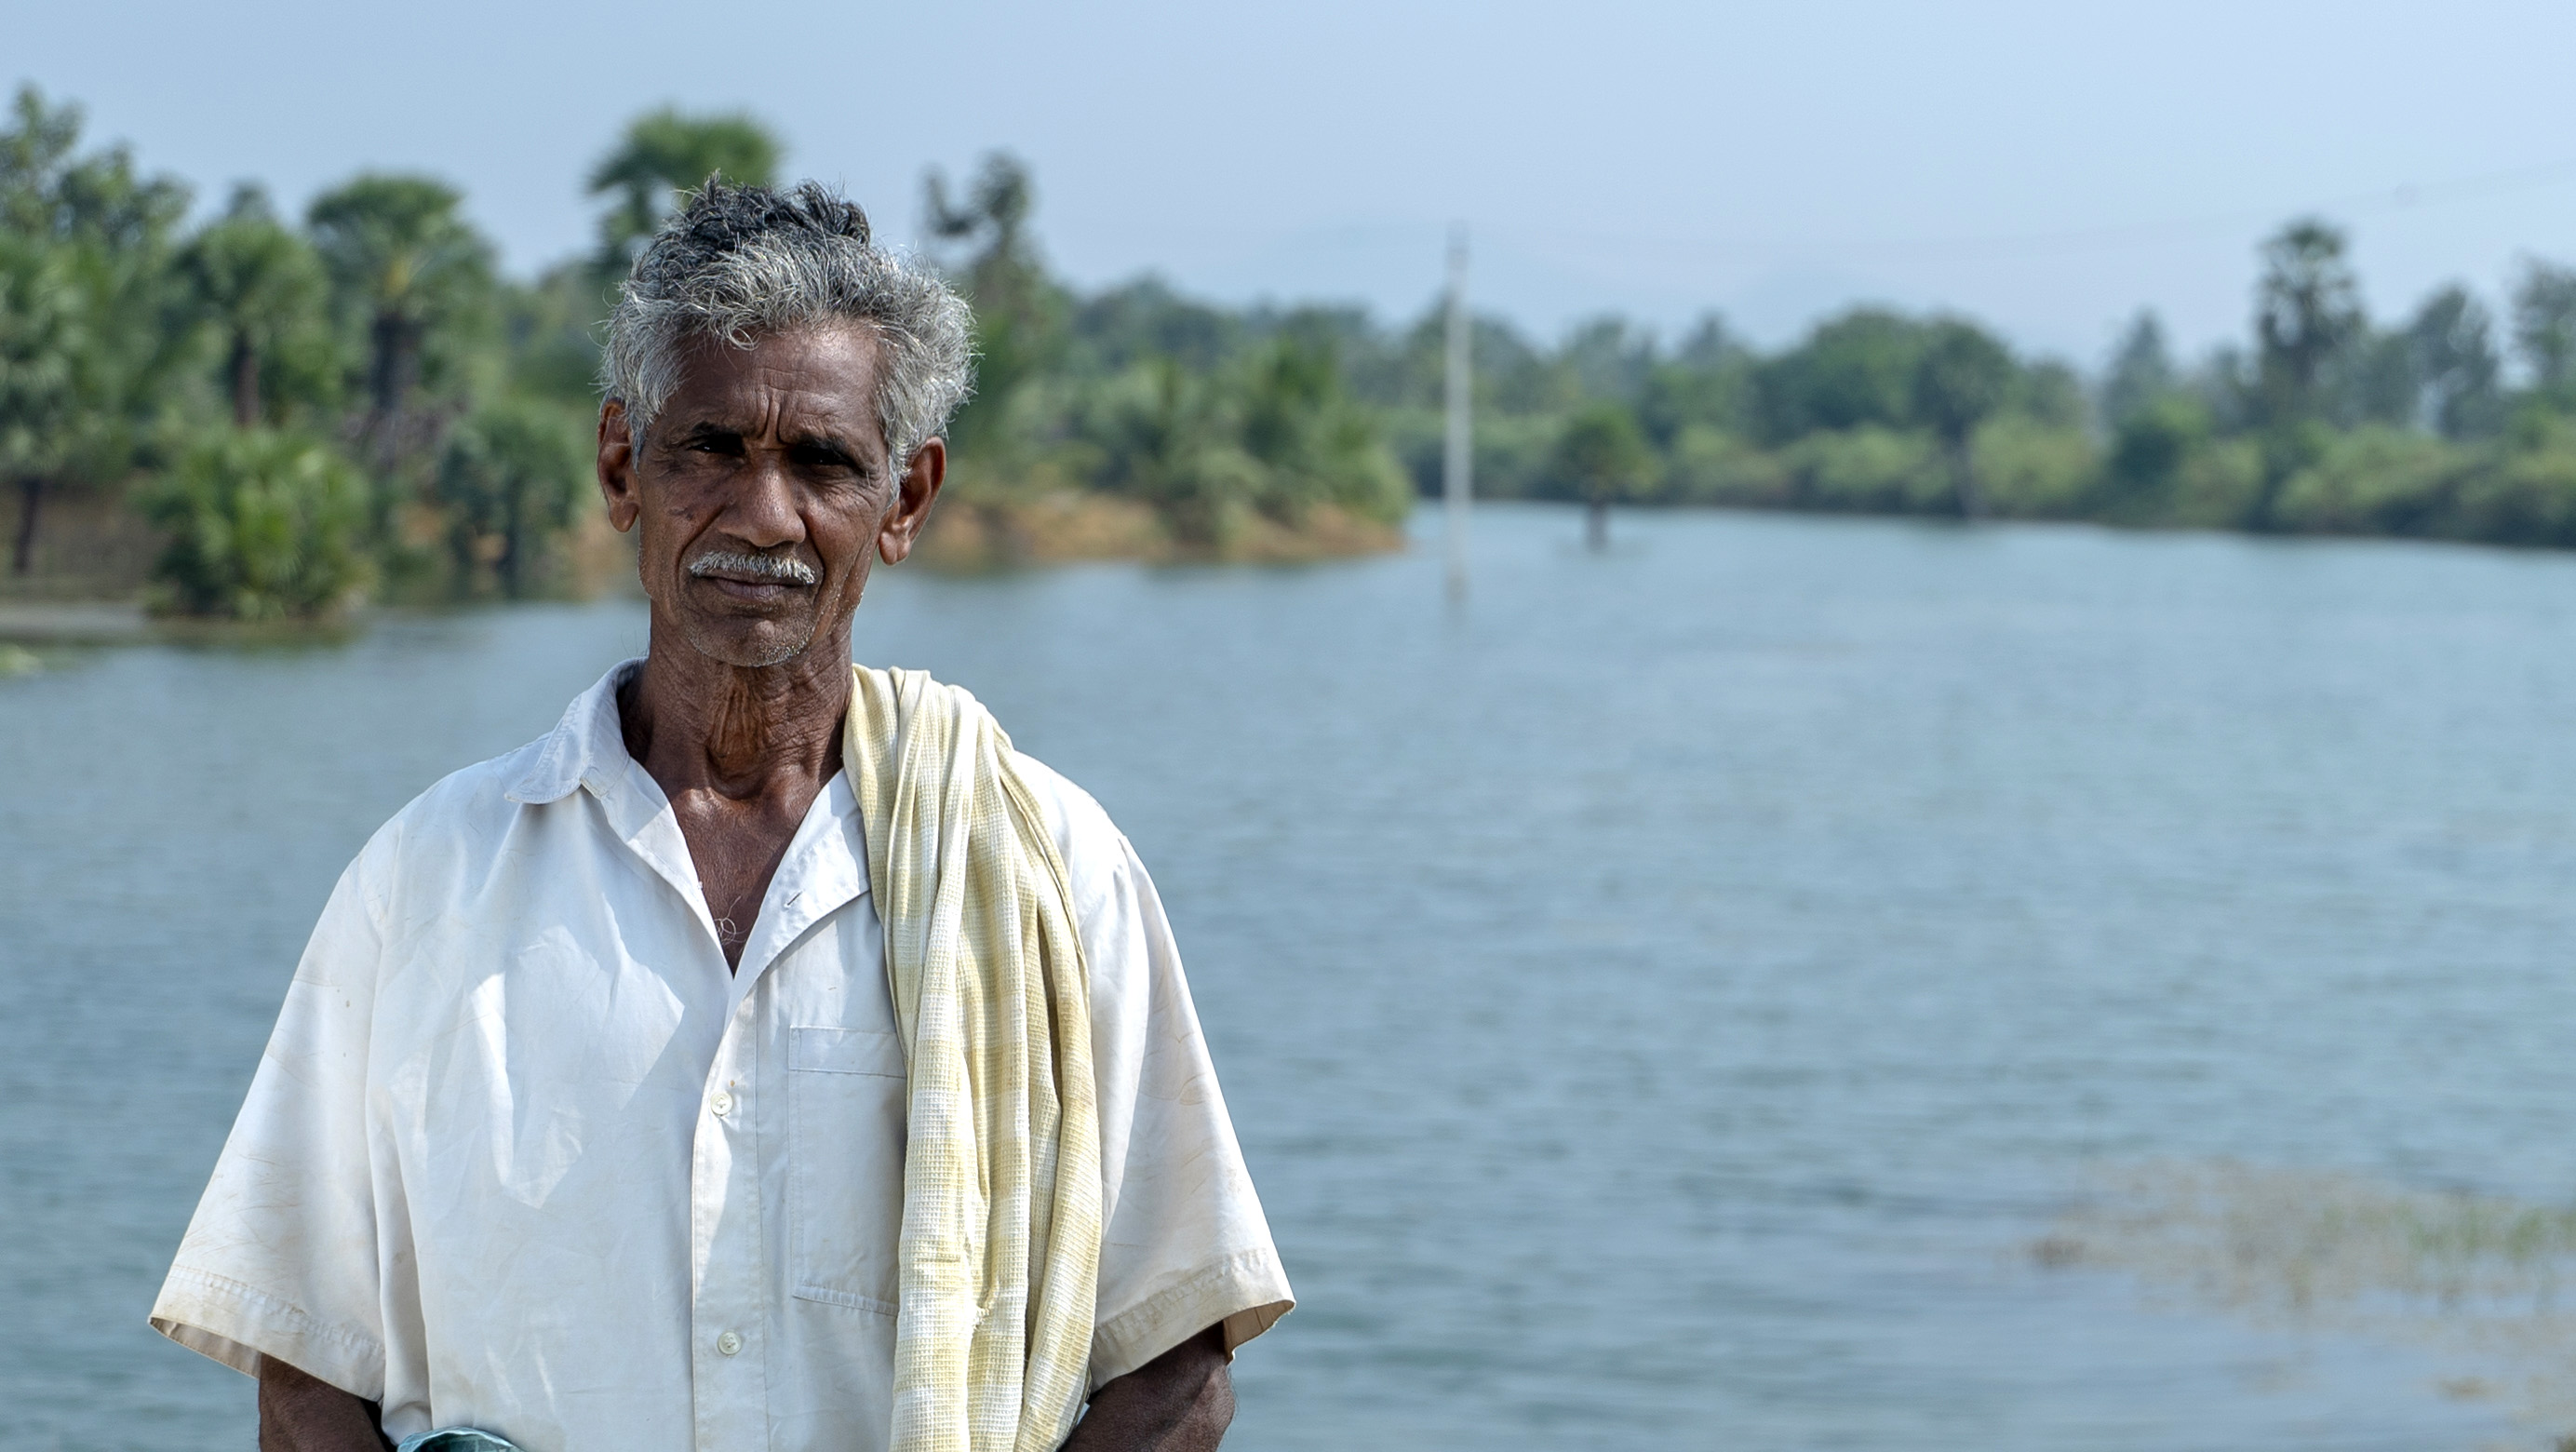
{"x":752,"y":644}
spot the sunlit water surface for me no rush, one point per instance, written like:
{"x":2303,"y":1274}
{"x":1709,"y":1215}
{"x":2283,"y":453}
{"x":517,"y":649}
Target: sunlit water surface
{"x":1661,"y":1000}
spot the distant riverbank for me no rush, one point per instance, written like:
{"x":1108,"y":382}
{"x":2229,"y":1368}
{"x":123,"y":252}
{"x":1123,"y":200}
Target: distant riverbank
{"x":90,"y":582}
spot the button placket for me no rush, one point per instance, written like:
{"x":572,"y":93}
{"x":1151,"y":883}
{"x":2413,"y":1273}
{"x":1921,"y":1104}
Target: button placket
{"x":728,"y":1377}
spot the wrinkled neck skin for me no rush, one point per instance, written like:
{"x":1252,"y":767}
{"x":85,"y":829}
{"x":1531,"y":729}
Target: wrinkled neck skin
{"x":743,"y":733}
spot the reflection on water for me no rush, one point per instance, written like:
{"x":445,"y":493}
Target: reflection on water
{"x":2475,"y":1278}
{"x":1661,"y":1000}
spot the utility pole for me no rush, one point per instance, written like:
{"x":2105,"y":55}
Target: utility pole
{"x":1457,"y":474}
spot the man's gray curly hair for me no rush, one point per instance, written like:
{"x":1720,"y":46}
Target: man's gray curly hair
{"x":738,"y":263}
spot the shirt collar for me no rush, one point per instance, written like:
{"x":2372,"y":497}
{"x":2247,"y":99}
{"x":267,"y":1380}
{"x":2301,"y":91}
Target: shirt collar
{"x":586,"y":746}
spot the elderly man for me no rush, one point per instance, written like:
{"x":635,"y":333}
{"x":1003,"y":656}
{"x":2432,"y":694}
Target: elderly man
{"x":770,"y":1056}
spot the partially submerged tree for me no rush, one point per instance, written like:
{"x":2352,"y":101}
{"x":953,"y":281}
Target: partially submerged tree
{"x":1603,"y":453}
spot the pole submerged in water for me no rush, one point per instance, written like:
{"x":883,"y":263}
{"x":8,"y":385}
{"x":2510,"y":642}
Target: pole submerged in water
{"x":1457,"y":474}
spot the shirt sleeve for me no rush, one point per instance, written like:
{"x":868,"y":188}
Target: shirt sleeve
{"x":281,"y":1257}
{"x":1185,"y":1245}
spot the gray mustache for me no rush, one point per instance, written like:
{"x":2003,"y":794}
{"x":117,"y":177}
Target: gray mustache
{"x":772,"y":567}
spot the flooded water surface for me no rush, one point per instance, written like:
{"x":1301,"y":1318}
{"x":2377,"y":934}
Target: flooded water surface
{"x":1724,"y":993}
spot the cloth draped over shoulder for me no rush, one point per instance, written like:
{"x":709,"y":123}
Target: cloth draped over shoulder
{"x":999,"y":1254}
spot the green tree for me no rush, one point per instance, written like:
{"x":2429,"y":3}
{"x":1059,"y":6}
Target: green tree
{"x":1607,"y":357}
{"x":41,"y":334}
{"x":2544,"y":325}
{"x":262,"y":286}
{"x":665,"y":154}
{"x":1163,"y":437}
{"x":2307,"y":309}
{"x":262,"y":525}
{"x":1020,"y":313}
{"x":91,"y":298}
{"x":1962,"y":377}
{"x":2144,"y":472}
{"x":1852,"y":370}
{"x":2456,"y":364}
{"x":2141,"y":370}
{"x":1313,"y":445}
{"x":511,"y":479}
{"x":403,"y":263}
{"x":1708,"y":381}
{"x":1603,"y":454}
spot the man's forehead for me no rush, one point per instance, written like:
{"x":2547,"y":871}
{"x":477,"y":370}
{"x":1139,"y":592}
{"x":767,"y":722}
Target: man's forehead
{"x":828,"y":370}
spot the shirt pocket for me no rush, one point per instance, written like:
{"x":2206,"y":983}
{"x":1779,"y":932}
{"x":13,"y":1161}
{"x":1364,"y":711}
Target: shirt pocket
{"x":846,"y":1110}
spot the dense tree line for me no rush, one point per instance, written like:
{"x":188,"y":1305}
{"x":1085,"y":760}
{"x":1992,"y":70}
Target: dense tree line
{"x":358,"y":399}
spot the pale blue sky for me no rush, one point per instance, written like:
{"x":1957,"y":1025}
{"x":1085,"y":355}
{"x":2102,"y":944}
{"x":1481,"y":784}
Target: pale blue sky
{"x":2048,"y":167}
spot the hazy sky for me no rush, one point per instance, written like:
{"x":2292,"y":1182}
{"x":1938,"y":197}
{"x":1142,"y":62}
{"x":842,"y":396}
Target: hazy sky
{"x":2048,"y":167}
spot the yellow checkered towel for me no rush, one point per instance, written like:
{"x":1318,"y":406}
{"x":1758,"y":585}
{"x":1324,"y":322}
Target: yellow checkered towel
{"x":1000,"y":1251}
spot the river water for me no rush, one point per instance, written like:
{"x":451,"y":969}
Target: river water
{"x":1662,"y":999}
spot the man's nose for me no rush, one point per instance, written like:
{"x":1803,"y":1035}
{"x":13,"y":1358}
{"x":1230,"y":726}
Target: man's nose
{"x":762,"y":513}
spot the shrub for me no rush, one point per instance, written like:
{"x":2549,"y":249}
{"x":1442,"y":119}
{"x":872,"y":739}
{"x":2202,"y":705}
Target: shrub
{"x":2032,"y":469}
{"x":1708,"y":465}
{"x":1871,"y":469}
{"x":262,"y":525}
{"x":2143,"y":476}
{"x":510,"y":481}
{"x":2372,"y":480}
{"x":2526,"y":492}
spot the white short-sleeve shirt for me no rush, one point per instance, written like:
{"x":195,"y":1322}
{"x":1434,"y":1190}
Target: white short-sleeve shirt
{"x":525,"y":1155}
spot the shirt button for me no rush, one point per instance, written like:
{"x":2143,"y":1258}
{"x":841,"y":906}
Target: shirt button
{"x":729,"y":1343}
{"x":722,"y":1104}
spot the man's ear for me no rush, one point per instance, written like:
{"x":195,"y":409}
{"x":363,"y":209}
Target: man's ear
{"x":617,"y":466}
{"x":918,"y":490}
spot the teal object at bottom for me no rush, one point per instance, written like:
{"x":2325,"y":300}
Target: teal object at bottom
{"x":457,"y":1439}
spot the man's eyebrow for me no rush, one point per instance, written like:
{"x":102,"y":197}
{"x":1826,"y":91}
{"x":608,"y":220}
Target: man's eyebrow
{"x":830,"y":446}
{"x":705,"y":429}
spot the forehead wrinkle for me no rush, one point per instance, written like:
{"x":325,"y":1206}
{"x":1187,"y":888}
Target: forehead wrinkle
{"x":781,"y":381}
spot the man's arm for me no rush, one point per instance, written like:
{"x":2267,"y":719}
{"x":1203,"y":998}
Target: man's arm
{"x":299,"y":1413}
{"x":1178,"y":1402}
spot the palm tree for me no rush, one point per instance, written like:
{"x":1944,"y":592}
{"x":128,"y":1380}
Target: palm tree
{"x":257,"y":281}
{"x":41,"y":334}
{"x":663,"y":154}
{"x":1020,"y":314}
{"x":84,"y":289}
{"x":399,"y":254}
{"x":2307,"y":308}
{"x":1962,"y":378}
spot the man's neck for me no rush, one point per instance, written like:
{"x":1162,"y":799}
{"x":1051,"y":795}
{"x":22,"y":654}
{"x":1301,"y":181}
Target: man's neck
{"x":697,"y":724}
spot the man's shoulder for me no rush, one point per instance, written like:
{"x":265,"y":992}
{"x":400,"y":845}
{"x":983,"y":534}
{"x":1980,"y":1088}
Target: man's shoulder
{"x":1093,"y":849}
{"x":470,"y":804}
